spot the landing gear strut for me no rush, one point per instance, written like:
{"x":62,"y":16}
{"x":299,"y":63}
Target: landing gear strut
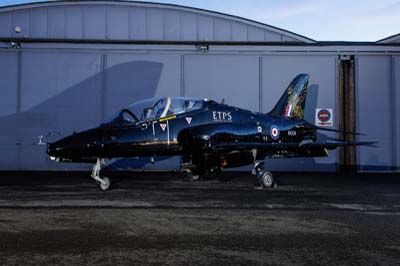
{"x":264,"y":178}
{"x":189,"y":176}
{"x":103,"y":183}
{"x":189,"y":170}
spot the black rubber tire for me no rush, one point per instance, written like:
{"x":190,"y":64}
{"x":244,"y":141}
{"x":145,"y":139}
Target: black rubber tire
{"x":267,"y":179}
{"x":188,"y":176}
{"x":106,"y":186}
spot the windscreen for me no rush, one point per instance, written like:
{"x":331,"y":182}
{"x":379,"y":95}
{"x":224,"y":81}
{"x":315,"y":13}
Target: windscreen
{"x":155,"y":108}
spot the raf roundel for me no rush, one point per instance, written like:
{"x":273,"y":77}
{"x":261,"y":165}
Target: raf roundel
{"x":274,"y":131}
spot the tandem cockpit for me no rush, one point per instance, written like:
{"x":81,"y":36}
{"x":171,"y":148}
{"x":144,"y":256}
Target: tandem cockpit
{"x":155,"y":108}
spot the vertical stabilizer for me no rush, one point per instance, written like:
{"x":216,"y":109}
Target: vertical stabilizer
{"x":293,"y":101}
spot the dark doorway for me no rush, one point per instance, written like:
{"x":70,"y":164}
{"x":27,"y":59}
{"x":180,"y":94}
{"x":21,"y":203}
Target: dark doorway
{"x":347,"y":118}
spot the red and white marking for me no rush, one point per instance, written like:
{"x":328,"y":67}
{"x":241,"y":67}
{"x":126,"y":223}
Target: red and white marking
{"x":163,"y":126}
{"x":188,"y":120}
{"x":289,"y":110}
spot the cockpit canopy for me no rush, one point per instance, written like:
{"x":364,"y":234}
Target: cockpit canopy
{"x":155,"y":108}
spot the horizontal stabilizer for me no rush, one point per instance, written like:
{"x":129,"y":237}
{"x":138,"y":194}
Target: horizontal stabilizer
{"x":290,"y":145}
{"x":336,"y":130}
{"x":334,"y":145}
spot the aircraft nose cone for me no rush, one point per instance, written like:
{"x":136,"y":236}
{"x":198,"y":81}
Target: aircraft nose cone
{"x":76,"y":146}
{"x":52,"y":150}
{"x":60,"y":150}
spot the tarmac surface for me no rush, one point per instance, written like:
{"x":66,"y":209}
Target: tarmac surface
{"x":158,"y":219}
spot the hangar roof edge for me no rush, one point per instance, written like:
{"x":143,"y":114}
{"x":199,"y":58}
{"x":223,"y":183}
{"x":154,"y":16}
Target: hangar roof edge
{"x":243,"y":20}
{"x":391,"y":39}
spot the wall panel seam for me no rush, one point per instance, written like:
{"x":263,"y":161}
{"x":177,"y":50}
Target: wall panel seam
{"x":19,"y":107}
{"x":182,"y":92}
{"x":83,"y":22}
{"x":103,"y":87}
{"x":336,"y":112}
{"x":356,"y":108}
{"x":393,"y":111}
{"x":65,"y":23}
{"x":260,"y":77}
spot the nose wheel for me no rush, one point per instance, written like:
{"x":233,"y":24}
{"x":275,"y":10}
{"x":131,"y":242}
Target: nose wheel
{"x":103,"y":183}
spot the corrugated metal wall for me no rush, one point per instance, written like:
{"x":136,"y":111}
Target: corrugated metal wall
{"x":102,"y":20}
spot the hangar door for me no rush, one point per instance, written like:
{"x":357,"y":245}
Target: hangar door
{"x":45,"y":95}
{"x":60,"y":93}
{"x":131,"y":77}
{"x":377,"y":109}
{"x":277,"y":73}
{"x":234,"y":78}
{"x":256,"y":83}
{"x":9,"y":141}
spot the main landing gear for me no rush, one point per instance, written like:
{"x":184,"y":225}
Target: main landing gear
{"x":190,"y":171}
{"x":189,"y":176}
{"x":264,"y":178}
{"x":201,"y":170}
{"x":103,"y":183}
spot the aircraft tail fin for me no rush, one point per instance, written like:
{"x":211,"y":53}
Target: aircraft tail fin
{"x":293,"y":101}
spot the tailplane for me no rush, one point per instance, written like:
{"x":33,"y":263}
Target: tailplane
{"x":293,"y":101}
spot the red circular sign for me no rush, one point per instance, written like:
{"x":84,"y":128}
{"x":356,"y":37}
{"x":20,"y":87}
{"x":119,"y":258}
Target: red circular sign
{"x":324,"y":115}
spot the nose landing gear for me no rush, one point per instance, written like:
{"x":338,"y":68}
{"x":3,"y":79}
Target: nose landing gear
{"x":103,"y":183}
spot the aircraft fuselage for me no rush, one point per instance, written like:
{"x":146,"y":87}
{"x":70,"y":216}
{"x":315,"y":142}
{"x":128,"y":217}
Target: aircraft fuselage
{"x":217,"y":123}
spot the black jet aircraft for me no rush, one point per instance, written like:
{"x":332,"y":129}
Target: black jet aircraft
{"x":209,"y":136}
